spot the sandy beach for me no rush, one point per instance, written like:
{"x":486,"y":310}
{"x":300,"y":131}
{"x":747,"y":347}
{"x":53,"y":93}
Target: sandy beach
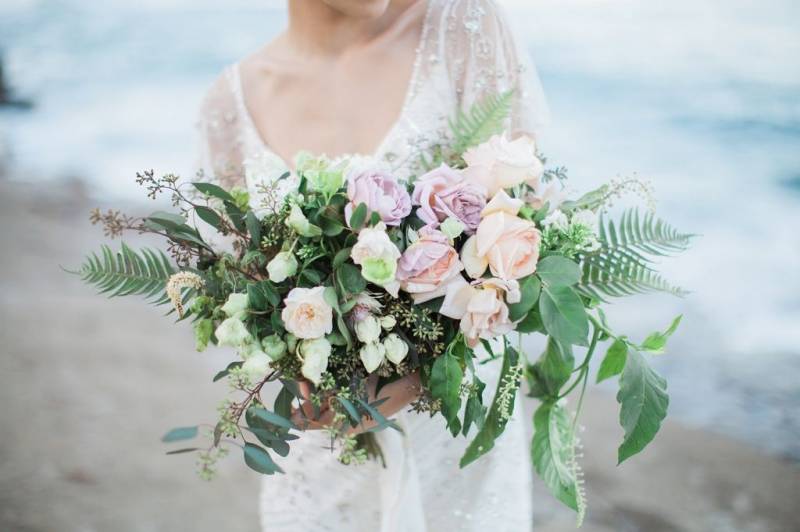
{"x":87,"y":390}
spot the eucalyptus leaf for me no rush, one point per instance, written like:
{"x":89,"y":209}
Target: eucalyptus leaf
{"x":259,"y":460}
{"x":272,"y":418}
{"x":180,"y":433}
{"x":209,"y":216}
{"x":213,"y":191}
{"x":350,"y":278}
{"x":358,"y":217}
{"x":225,"y":372}
{"x":253,"y":225}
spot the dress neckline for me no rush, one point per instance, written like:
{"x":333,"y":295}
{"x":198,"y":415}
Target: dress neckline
{"x":413,"y":81}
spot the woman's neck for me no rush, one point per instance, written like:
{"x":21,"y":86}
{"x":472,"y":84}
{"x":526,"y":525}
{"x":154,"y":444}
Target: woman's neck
{"x":316,"y":28}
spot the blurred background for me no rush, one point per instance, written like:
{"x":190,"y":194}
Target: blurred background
{"x":702,"y":97}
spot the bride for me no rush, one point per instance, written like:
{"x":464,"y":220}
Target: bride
{"x":379,"y":78}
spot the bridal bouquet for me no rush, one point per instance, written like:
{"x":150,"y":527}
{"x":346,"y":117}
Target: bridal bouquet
{"x":338,"y":278}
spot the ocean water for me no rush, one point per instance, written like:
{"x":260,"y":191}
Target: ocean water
{"x":700,"y":97}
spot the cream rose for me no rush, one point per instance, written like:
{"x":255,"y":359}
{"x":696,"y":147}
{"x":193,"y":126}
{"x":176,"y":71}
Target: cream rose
{"x":482,"y":308}
{"x":505,"y":243}
{"x":306,"y":314}
{"x":501,"y":163}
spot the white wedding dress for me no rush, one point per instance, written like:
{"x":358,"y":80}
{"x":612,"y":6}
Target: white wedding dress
{"x":466,"y":51}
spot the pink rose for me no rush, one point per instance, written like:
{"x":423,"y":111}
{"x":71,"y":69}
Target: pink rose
{"x":381,"y":193}
{"x":428,"y":266}
{"x":505,"y":243}
{"x":482,"y":308}
{"x":500,"y":163}
{"x":443,"y":193}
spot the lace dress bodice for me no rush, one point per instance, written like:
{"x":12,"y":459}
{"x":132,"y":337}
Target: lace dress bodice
{"x":466,"y":52}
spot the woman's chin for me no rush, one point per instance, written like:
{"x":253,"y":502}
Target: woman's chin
{"x":359,"y":8}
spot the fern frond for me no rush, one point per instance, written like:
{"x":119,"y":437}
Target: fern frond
{"x":484,"y":119}
{"x":622,"y":264}
{"x":127,"y":273}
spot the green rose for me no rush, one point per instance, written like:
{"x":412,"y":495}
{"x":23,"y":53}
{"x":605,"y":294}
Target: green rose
{"x":298,"y":222}
{"x":379,"y":270}
{"x":233,"y":333}
{"x":202,"y":333}
{"x":235,"y":306}
{"x":314,"y":354}
{"x":282,"y":266}
{"x":274,"y":346}
{"x":240,"y":197}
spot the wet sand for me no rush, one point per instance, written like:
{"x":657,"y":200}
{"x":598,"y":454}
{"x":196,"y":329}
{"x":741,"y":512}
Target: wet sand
{"x":86,"y":393}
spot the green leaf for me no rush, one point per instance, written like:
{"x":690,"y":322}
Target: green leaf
{"x":484,"y":119}
{"x":213,"y":191}
{"x":258,"y":459}
{"x":445,"y":386}
{"x":271,"y":417}
{"x":352,"y":411}
{"x":283,"y":403}
{"x":180,"y":433}
{"x":553,"y":454}
{"x":614,"y":361}
{"x":531,"y":323}
{"x":341,"y":257}
{"x":622,"y":266}
{"x":377,"y":416}
{"x":209,"y":216}
{"x":556,"y":270}
{"x":350,"y":279}
{"x":657,"y":341}
{"x":529,"y":288}
{"x":253,"y":228}
{"x":225,"y":372}
{"x":496,"y":419}
{"x":552,"y":370}
{"x":563,"y":315}
{"x":358,"y":217}
{"x":475,"y":411}
{"x":644,"y":402}
{"x":183,"y":451}
{"x":128,"y":273}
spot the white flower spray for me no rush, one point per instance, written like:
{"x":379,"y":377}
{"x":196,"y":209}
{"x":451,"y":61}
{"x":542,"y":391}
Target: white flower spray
{"x":178,"y":282}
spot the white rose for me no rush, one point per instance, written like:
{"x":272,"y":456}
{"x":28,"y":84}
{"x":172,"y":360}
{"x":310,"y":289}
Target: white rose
{"x":314,"y":354}
{"x":368,"y":329}
{"x":282,"y":266}
{"x":388,"y":322}
{"x":235,"y":306}
{"x":556,"y":219}
{"x":500,"y":163}
{"x":372,"y":356}
{"x":233,"y":333}
{"x":256,"y":365}
{"x":306,"y":314}
{"x":396,"y":348}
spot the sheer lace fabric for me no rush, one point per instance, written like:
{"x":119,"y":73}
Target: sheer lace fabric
{"x":466,"y":52}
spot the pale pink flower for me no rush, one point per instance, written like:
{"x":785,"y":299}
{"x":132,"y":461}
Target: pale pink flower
{"x":428,"y":265}
{"x":482,"y":308}
{"x":501,"y":163}
{"x":380,"y":192}
{"x":506,"y":244}
{"x":443,"y":193}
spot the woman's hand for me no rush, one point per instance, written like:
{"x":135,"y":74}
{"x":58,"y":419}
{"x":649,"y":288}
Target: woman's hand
{"x":398,"y":395}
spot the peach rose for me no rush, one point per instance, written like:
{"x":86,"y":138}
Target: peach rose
{"x":482,"y":308}
{"x":306,"y":314}
{"x":505,"y":243}
{"x":428,"y":265}
{"x":501,"y":163}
